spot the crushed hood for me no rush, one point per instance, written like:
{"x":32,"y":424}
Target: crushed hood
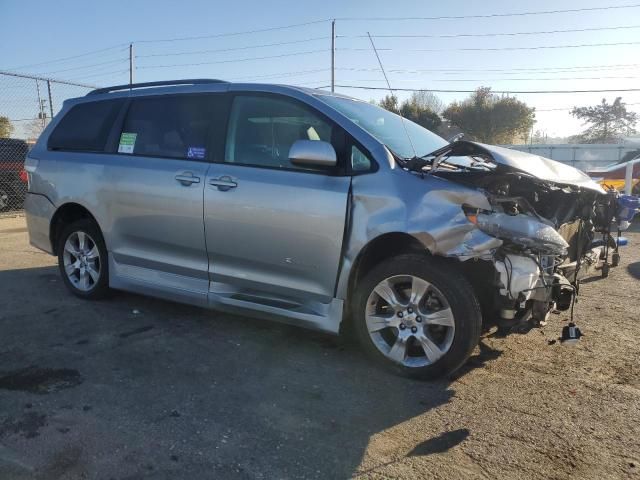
{"x":534,"y":165}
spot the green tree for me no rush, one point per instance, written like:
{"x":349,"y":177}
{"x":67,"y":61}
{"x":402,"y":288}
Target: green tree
{"x":606,"y":123}
{"x":6,"y":128}
{"x":389,"y":102}
{"x":418,"y":108}
{"x":427,"y":100}
{"x":490,"y":118}
{"x":420,"y":115}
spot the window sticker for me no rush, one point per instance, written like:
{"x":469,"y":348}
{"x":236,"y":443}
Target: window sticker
{"x":196,"y":152}
{"x":127,"y":142}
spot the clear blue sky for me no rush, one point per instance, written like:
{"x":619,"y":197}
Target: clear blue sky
{"x":36,"y":32}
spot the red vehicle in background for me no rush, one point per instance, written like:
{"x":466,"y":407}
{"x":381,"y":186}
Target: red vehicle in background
{"x":613,"y":176}
{"x":13,"y":178}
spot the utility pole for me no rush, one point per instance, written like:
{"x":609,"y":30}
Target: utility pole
{"x":130,"y":63}
{"x":50,"y":100}
{"x":333,"y":55}
{"x":41,"y":115}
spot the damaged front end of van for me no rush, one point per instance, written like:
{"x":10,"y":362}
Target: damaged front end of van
{"x":527,"y":247}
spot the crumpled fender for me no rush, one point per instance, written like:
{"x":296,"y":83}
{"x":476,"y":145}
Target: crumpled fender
{"x":427,"y":207}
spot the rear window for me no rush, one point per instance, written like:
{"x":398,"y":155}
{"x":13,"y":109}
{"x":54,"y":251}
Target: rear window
{"x":85,"y":127}
{"x":173,"y":127}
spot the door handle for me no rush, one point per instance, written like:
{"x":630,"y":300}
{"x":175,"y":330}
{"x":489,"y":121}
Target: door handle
{"x":187,"y":179}
{"x":223,"y":183}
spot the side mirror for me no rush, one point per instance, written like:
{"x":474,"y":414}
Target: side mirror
{"x":312,"y":153}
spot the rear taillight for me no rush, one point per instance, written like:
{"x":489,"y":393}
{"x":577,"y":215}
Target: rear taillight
{"x":24,"y":176}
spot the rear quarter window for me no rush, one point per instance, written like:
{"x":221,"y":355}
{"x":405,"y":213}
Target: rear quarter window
{"x":85,"y":127}
{"x":175,"y":126}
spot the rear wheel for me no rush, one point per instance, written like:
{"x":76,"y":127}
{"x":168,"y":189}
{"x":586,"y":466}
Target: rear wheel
{"x":417,"y":315}
{"x":82,"y":259}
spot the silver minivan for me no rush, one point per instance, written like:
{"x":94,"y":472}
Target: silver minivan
{"x":311,"y":208}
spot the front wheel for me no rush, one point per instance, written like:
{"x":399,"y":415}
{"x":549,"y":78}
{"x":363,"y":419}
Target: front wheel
{"x":418,"y":315}
{"x":82,"y":259}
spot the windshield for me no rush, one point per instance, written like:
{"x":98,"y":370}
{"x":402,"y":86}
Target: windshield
{"x":387,"y":127}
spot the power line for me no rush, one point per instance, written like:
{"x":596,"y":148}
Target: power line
{"x":364,"y":87}
{"x":507,"y":79}
{"x":194,"y":52}
{"x":306,"y":84}
{"x":93,"y":52}
{"x":233,"y":61}
{"x":491,"y":15}
{"x":284,"y":74}
{"x":84,"y":66}
{"x":103,"y":74}
{"x":24,"y":119}
{"x":571,"y":108}
{"x":96,"y":71}
{"x":496,"y":49}
{"x":539,"y":79}
{"x":44,"y":79}
{"x":230,"y":34}
{"x":495,"y":69}
{"x":493,"y":34}
{"x":313,"y":22}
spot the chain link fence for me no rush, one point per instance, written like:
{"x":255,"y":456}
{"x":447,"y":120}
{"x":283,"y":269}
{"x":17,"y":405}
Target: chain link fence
{"x":27,"y":105}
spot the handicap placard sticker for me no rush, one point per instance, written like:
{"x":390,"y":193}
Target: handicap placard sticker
{"x":196,"y":152}
{"x":127,"y":142}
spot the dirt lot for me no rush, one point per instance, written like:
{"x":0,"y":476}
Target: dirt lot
{"x":132,"y":388}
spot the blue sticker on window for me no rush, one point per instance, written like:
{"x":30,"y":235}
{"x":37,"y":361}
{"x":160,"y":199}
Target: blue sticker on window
{"x":196,"y":152}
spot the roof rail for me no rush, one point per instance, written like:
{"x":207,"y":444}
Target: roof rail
{"x":130,"y":86}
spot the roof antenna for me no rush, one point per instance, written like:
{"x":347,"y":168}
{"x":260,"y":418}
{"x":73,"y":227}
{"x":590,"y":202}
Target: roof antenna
{"x":392,"y":94}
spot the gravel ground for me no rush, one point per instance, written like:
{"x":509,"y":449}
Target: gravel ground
{"x":136,"y":388}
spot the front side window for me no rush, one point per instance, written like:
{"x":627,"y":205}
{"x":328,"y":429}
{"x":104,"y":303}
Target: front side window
{"x":167,"y":126}
{"x":262,"y":130}
{"x":85,"y":127}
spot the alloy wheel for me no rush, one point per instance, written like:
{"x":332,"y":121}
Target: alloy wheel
{"x":410,"y":321}
{"x":82,"y":262}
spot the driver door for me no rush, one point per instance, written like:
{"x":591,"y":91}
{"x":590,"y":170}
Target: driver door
{"x":273,"y":230}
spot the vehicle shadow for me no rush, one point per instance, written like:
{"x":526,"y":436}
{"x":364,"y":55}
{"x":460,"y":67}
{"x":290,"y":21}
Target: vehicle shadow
{"x":174,"y":391}
{"x":593,"y":278}
{"x":634,"y":270}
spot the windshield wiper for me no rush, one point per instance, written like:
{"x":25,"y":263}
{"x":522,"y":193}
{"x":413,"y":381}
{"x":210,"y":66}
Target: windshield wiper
{"x":432,"y":159}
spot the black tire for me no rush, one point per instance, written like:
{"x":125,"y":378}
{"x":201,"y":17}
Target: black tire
{"x":99,"y":288}
{"x":454,"y":287}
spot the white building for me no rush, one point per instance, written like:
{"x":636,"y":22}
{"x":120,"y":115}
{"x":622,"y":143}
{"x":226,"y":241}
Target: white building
{"x":582,"y":156}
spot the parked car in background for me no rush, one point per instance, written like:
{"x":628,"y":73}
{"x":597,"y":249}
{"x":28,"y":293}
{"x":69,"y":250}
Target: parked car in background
{"x":13,"y":178}
{"x":613,"y":176}
{"x":310,"y":208}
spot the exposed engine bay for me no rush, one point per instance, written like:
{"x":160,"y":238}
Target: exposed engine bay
{"x":547,"y":216}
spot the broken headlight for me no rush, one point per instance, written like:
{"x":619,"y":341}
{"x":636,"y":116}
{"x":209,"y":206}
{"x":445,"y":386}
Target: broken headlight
{"x":522,"y":230}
